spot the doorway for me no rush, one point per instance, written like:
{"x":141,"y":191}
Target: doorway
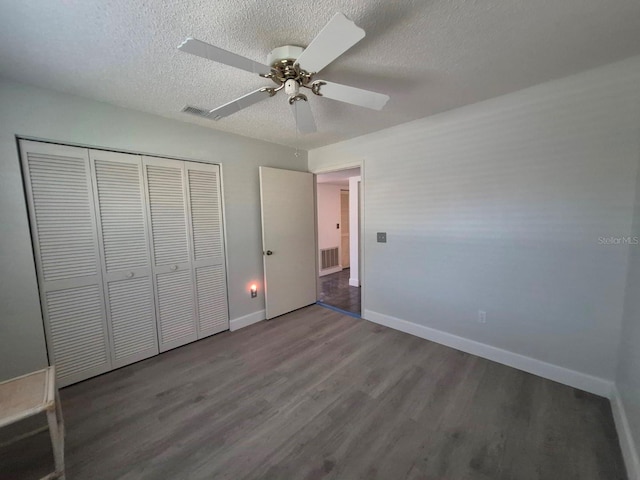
{"x":338,"y":214}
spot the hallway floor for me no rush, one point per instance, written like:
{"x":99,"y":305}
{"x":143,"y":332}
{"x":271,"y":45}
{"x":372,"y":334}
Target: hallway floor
{"x":336,"y":292}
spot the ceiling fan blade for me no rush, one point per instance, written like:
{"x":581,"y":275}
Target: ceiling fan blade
{"x":353,"y":95}
{"x":231,"y":107}
{"x":204,"y":50}
{"x":335,"y":38}
{"x":303,"y":116}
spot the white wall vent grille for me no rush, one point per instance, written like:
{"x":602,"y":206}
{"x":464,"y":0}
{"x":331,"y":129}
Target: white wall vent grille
{"x":329,"y":258}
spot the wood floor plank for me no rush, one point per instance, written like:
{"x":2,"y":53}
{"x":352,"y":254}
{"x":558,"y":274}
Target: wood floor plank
{"x":319,"y":395}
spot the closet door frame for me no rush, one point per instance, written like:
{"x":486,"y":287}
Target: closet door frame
{"x":137,"y":272}
{"x":27,"y":146}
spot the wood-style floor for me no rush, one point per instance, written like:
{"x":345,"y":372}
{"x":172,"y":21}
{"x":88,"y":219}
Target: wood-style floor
{"x":317,"y":395}
{"x":336,"y":291}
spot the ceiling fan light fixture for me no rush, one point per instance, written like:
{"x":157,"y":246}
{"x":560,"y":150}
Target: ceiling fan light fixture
{"x":292,"y":68}
{"x":291,"y":87}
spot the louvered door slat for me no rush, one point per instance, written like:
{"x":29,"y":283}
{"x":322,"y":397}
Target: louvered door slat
{"x":121,"y":215}
{"x":168,"y":224}
{"x":172,"y":266}
{"x":125,"y":247}
{"x":63,"y":219}
{"x":205,"y":213}
{"x":212,"y":299}
{"x":175,"y":304}
{"x":205,"y":221}
{"x":61,"y":209}
{"x":132,"y":319}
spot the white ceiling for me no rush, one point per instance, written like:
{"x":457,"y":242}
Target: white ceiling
{"x":428,"y":55}
{"x":341,"y":177}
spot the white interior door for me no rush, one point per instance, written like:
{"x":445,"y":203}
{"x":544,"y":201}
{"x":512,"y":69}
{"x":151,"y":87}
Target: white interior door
{"x":67,"y":259}
{"x":126,"y":264}
{"x":170,"y":252}
{"x":288,"y":239}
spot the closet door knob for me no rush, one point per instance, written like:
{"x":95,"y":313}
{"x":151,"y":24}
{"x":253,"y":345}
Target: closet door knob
{"x":130,"y":275}
{"x":174,"y":268}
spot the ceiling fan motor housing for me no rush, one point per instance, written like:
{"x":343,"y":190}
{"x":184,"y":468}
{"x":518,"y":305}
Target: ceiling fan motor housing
{"x":286,"y":52}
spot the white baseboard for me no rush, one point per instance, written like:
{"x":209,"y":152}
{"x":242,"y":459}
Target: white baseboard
{"x":241,"y":322}
{"x":627,"y":444}
{"x":582,"y":381}
{"x":354,"y":282}
{"x":329,"y":271}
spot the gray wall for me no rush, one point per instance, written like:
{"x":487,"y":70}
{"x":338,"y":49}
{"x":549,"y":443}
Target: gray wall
{"x":500,"y":206}
{"x":49,"y":115}
{"x":628,"y":374}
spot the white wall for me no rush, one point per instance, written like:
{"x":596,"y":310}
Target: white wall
{"x":44,"y":114}
{"x":328,"y":204}
{"x":354,"y":231}
{"x":499,"y":207}
{"x":627,"y":403}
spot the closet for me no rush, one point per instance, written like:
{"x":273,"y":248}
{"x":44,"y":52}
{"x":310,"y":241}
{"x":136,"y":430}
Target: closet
{"x":129,"y":254}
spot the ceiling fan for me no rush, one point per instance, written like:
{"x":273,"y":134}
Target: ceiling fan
{"x":292,"y":68}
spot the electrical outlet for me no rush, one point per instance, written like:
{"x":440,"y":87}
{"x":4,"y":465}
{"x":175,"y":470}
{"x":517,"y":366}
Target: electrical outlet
{"x":482,"y":316}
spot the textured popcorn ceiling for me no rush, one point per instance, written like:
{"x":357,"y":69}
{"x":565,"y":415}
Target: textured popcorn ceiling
{"x":429,"y":56}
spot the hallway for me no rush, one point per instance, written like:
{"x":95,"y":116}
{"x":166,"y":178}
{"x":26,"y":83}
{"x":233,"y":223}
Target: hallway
{"x":336,"y":292}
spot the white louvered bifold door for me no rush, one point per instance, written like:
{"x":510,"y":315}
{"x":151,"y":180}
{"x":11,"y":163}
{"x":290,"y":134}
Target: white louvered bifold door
{"x":63,"y":224}
{"x":170,"y":251}
{"x":126,"y":263}
{"x":205,"y":218}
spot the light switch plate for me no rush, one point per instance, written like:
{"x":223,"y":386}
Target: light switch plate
{"x":382,"y":237}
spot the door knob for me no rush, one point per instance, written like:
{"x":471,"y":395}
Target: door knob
{"x":269,"y":252}
{"x":130,"y":275}
{"x":174,"y":268}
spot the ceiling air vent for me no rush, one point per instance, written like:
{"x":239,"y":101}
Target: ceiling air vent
{"x":196,"y":111}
